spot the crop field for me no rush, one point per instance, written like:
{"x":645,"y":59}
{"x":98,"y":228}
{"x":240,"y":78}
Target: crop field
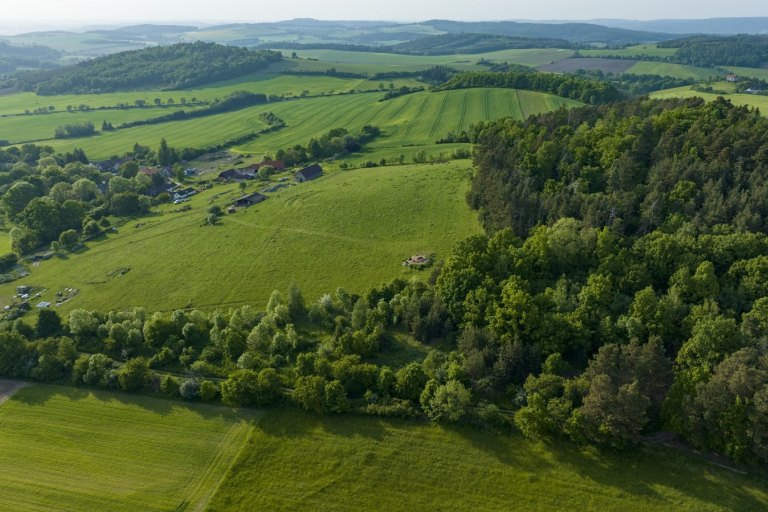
{"x":74,"y":449}
{"x":675,"y":70}
{"x":294,"y":461}
{"x":266,"y":83}
{"x":640,"y":50}
{"x":378,"y":62}
{"x":606,"y":65}
{"x":749,"y":100}
{"x":411,"y":120}
{"x":350,"y":229}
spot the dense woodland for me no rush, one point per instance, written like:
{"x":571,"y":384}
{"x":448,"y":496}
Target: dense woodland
{"x":167,"y":67}
{"x":13,"y":57}
{"x":709,"y":51}
{"x":451,"y":44}
{"x":573,"y":87}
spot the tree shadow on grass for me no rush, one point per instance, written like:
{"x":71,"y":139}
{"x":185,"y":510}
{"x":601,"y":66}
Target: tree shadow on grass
{"x":287,"y":421}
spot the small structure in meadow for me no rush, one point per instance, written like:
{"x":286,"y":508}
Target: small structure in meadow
{"x":418,"y":261}
{"x":249,"y":200}
{"x":309,"y":173}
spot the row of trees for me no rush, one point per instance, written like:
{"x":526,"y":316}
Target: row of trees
{"x":335,"y":142}
{"x":590,"y":91}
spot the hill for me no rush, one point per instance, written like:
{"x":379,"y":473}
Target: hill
{"x":350,"y":229}
{"x":573,"y":32}
{"x":725,"y":26}
{"x":451,"y":44}
{"x":709,"y":51}
{"x":13,"y":57}
{"x":166,"y":67}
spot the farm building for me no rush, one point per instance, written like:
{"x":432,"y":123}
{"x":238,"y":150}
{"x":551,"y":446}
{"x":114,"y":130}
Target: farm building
{"x":731,"y":78}
{"x":184,"y":193}
{"x":278,"y":165}
{"x":309,"y":173}
{"x":233,"y":175}
{"x":250,"y":200}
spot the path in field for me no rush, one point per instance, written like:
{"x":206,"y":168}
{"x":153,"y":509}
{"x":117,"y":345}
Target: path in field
{"x":8,"y":388}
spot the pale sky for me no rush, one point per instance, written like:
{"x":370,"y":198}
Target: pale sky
{"x":396,"y":10}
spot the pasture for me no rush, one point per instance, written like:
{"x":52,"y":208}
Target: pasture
{"x":77,"y":449}
{"x":674,"y":70}
{"x":294,"y":461}
{"x":410,"y":120}
{"x":640,"y":50}
{"x":350,"y":229}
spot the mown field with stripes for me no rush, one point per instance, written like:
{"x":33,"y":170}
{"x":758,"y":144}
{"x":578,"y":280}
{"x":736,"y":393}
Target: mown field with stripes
{"x":73,"y":449}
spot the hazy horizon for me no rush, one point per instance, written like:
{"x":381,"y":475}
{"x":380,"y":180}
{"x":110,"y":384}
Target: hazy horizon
{"x":89,"y":12}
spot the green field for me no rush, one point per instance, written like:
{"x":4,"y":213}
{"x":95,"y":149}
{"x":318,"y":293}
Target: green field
{"x":749,"y":100}
{"x":266,"y":83}
{"x":78,"y":449}
{"x":675,"y":70}
{"x":412,"y":120}
{"x":68,"y":449}
{"x":640,"y":50}
{"x":350,"y":229}
{"x":297,"y":462}
{"x":378,"y":62}
{"x":760,"y":73}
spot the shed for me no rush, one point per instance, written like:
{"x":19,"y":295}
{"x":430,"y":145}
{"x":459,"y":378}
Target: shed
{"x":309,"y":173}
{"x":250,"y":200}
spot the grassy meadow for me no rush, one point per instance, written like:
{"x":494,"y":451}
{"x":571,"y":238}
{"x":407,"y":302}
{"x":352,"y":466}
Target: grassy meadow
{"x":293,"y":461}
{"x":351,"y":229}
{"x":675,"y":70}
{"x":640,"y":50}
{"x":75,"y":449}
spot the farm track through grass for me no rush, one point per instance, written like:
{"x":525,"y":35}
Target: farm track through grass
{"x":438,"y":117}
{"x":416,"y":118}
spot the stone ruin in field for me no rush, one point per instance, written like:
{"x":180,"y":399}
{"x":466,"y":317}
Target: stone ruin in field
{"x":417,"y":260}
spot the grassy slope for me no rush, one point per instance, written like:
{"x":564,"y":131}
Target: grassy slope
{"x":632,"y":51}
{"x":297,"y":462}
{"x":414,"y":119}
{"x":67,"y":449}
{"x":750,"y":100}
{"x":24,"y":128}
{"x":762,"y":74}
{"x":350,"y":229}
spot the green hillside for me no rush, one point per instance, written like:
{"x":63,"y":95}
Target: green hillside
{"x":67,"y":449}
{"x":350,"y":229}
{"x":749,"y":100}
{"x":412,"y":120}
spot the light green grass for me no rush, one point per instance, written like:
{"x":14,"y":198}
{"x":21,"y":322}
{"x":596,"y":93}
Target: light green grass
{"x":411,"y":120}
{"x":760,"y":73}
{"x":749,"y":100}
{"x":266,"y":83}
{"x":640,"y":50}
{"x":35,"y":127}
{"x":68,"y":449}
{"x":350,"y":229}
{"x":294,"y":461}
{"x":674,"y":70}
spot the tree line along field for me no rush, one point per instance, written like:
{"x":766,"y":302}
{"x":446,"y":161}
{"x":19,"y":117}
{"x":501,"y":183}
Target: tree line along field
{"x":410,"y":120}
{"x":350,"y":229}
{"x":144,"y":453}
{"x":749,"y":100}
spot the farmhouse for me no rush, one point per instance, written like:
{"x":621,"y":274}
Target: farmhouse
{"x":232,"y":175}
{"x":250,"y":200}
{"x":184,"y":193}
{"x":278,"y":165}
{"x":731,"y":78}
{"x":309,"y":173}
